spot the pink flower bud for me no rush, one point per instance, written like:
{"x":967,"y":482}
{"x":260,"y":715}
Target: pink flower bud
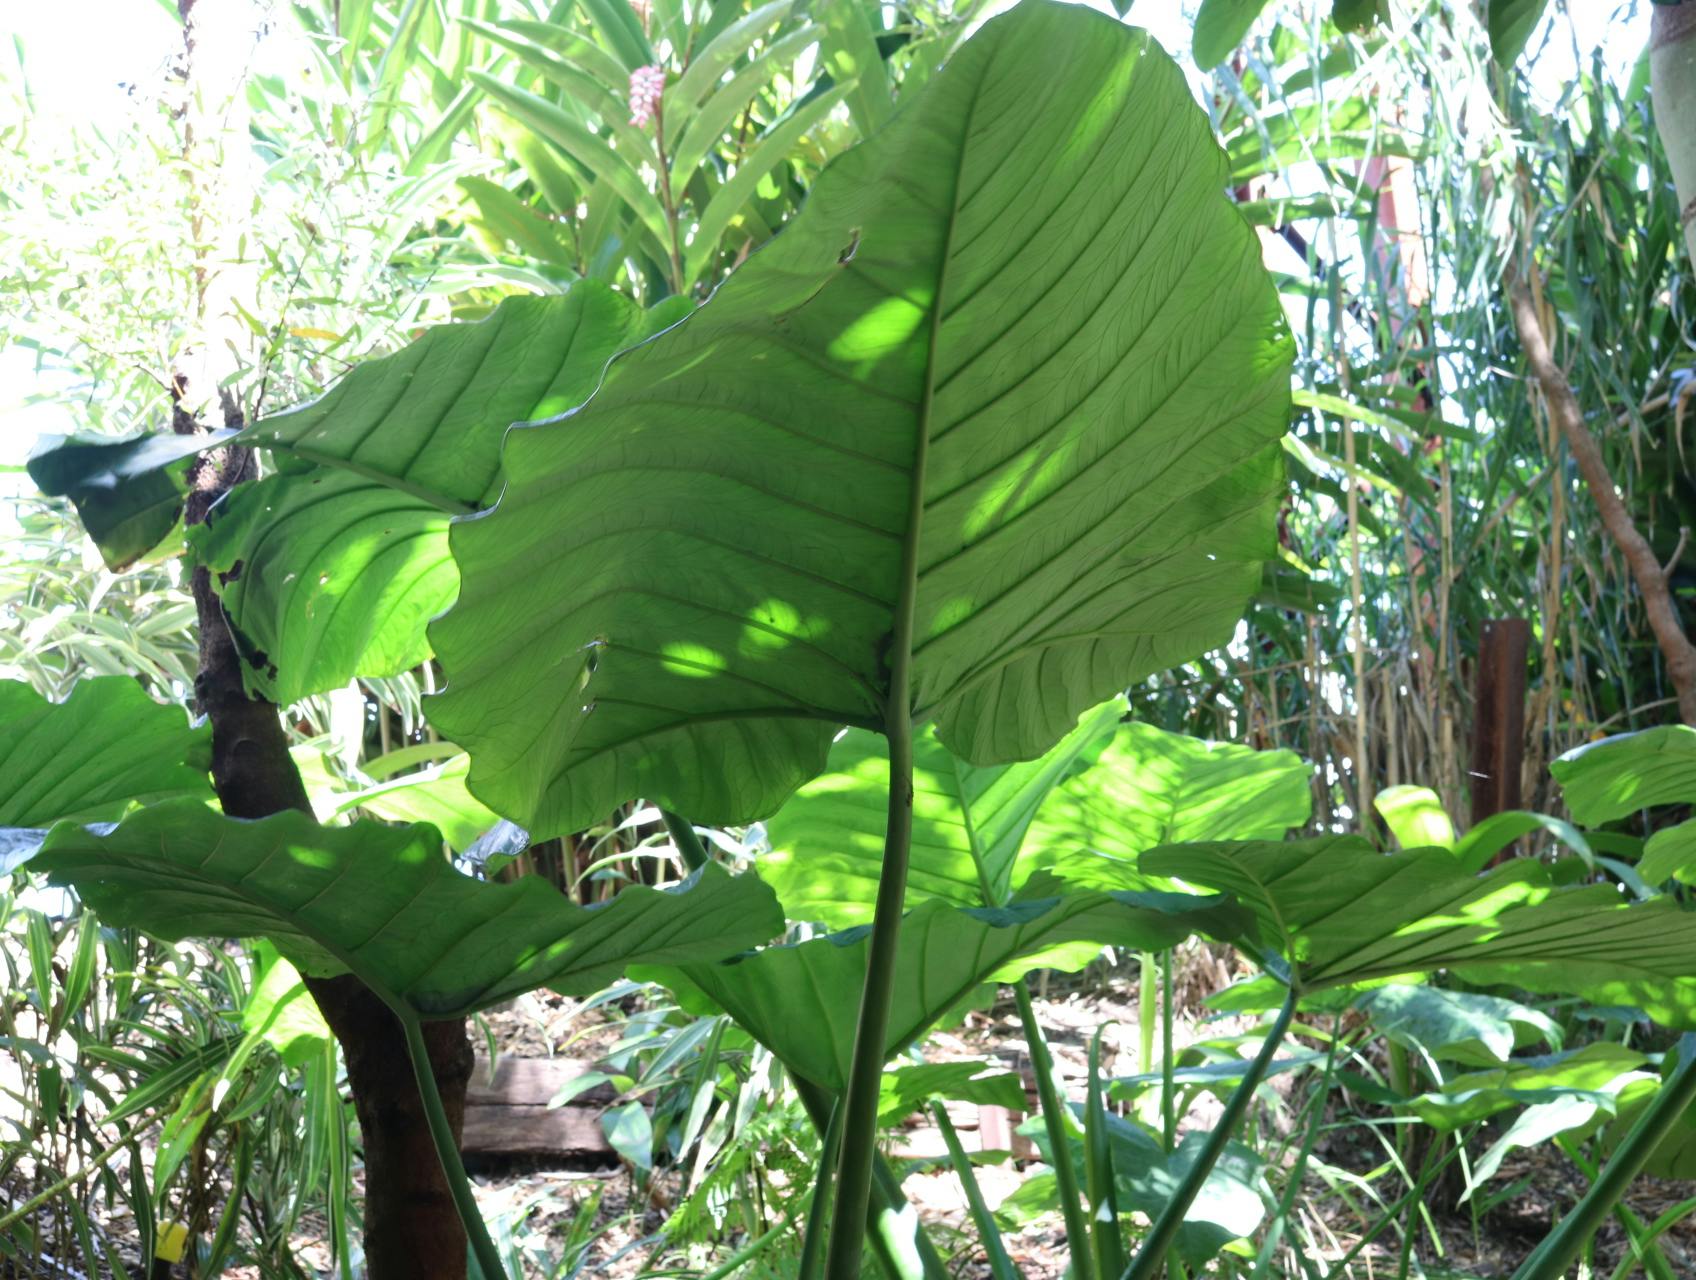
{"x":646,"y":86}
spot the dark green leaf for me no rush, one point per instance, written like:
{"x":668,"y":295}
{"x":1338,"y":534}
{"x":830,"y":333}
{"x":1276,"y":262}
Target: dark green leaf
{"x":128,"y":493}
{"x":1511,"y":23}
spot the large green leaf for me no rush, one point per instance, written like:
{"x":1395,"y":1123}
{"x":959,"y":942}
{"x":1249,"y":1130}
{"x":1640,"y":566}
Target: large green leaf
{"x":1341,"y":913}
{"x":326,"y":576}
{"x":106,"y":746}
{"x":801,"y":1000}
{"x":1618,"y":776}
{"x":969,"y":822}
{"x":383,"y":903}
{"x":1016,"y":364}
{"x":1150,"y":787}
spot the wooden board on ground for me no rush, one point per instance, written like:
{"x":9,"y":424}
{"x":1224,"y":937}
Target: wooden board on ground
{"x":508,"y":1114}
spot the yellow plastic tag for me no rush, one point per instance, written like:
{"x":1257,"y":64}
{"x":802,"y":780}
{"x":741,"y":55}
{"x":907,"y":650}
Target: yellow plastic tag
{"x":171,"y":1241}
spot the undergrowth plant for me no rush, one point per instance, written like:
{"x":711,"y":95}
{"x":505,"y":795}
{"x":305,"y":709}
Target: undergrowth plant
{"x":990,"y":433}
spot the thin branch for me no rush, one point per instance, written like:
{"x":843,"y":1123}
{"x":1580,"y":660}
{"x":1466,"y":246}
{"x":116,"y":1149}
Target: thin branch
{"x":1640,"y":557}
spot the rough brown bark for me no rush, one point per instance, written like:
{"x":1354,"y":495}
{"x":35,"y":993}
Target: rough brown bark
{"x":1646,"y":570}
{"x":412,"y":1231}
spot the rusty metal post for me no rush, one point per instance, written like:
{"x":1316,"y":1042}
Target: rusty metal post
{"x":1498,"y":725}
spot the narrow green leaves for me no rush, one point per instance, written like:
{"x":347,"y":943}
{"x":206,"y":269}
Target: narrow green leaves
{"x":1038,"y":278}
{"x":384,"y":903}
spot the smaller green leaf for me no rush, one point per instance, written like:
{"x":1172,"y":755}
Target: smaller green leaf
{"x":1511,"y":23}
{"x":1415,"y":817}
{"x":1220,"y":27}
{"x":436,"y":795}
{"x":1619,"y":776}
{"x":905,"y":1089}
{"x":1596,"y":1070}
{"x":631,"y":1133}
{"x":1475,"y":849}
{"x":1670,"y":854}
{"x":1456,"y":1026}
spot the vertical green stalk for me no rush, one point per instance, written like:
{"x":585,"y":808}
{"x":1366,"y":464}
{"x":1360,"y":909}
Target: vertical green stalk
{"x":1168,"y":1091}
{"x":1152,"y":1255}
{"x":893,"y":1230}
{"x":859,"y":1121}
{"x":1059,"y":1140}
{"x":989,"y":1235}
{"x":447,"y":1150}
{"x":1550,"y":1259}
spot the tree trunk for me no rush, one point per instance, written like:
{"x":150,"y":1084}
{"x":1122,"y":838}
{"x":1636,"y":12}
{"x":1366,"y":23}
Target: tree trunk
{"x":412,"y":1231}
{"x":1672,"y":71}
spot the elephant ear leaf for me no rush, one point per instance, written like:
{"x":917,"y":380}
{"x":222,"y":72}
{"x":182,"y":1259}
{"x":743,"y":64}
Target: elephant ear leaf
{"x":384,"y":904}
{"x":1149,"y":787}
{"x":1341,"y":914}
{"x":800,"y":1000}
{"x":105,"y":747}
{"x":969,"y":824}
{"x":998,"y":411}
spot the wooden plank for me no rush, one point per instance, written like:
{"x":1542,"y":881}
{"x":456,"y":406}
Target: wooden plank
{"x":1498,"y":730}
{"x":530,"y":1081}
{"x":507,"y":1114}
{"x":564,"y":1133}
